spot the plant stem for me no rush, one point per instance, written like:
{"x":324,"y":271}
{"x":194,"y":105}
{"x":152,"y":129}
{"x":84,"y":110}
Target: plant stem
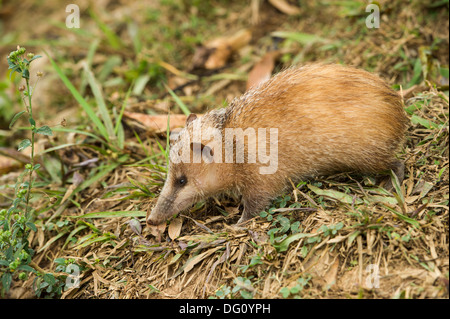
{"x":32,"y":150}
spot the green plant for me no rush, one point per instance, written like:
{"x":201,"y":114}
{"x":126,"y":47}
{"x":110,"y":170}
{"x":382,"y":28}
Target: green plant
{"x":17,"y":221}
{"x":282,"y":226}
{"x":295,"y":290}
{"x":222,"y":293}
{"x":256,"y":260}
{"x":242,"y":285}
{"x":112,"y":136}
{"x":47,"y":285}
{"x":325,"y":231}
{"x":51,"y":285}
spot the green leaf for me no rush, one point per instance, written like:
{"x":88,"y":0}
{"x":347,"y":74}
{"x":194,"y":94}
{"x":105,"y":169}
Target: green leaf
{"x":31,"y":226}
{"x":10,"y":63}
{"x":15,"y":118}
{"x":52,"y":240}
{"x":110,"y":214}
{"x":24,"y":144}
{"x":26,"y":74}
{"x":342,"y":197}
{"x":15,"y":68}
{"x":302,"y":38}
{"x":60,"y":261}
{"x":35,"y":57}
{"x":415,"y":119}
{"x":44,"y":130}
{"x":4,"y":263}
{"x":283,"y":246}
{"x":352,"y":237}
{"x":398,"y":190}
{"x":417,"y":73}
{"x":32,"y":121}
{"x":246,"y":294}
{"x":140,"y":84}
{"x":412,"y":221}
{"x":50,"y":279}
{"x":285,"y":292}
{"x":6,"y":281}
{"x":26,"y":268}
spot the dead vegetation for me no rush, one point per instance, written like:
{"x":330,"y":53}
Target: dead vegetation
{"x":328,"y":238}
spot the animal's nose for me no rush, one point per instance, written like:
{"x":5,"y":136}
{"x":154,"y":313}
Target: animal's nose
{"x":150,"y":221}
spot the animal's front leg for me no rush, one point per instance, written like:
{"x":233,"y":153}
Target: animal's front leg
{"x":253,"y":205}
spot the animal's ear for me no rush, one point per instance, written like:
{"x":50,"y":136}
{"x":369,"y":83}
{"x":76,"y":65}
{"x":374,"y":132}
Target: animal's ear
{"x":190,"y":118}
{"x":203,"y":150}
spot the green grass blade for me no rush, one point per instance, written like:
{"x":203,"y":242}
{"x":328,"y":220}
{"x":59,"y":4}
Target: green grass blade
{"x":114,"y":41}
{"x":15,"y":118}
{"x":180,"y":103}
{"x":89,"y":59}
{"x":413,"y":222}
{"x":72,"y":233}
{"x":142,"y":144}
{"x":124,"y":104}
{"x":52,"y":240}
{"x":84,"y":104}
{"x":98,"y":94}
{"x":70,"y":130}
{"x":283,"y":246}
{"x":302,"y":38}
{"x":397,"y":187}
{"x":102,"y":172}
{"x":111,"y":214}
{"x":342,"y":197}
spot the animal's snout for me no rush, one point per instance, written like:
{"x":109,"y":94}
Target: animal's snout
{"x":151,"y":220}
{"x":154,"y":218}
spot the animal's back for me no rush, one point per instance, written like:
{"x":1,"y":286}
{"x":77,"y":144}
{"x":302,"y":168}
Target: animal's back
{"x":330,"y":118}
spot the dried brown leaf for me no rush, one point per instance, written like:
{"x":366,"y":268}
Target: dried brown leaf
{"x":157,"y":123}
{"x":262,"y":71}
{"x":174,"y":229}
{"x":215,"y":54}
{"x":157,"y":231}
{"x":285,"y":7}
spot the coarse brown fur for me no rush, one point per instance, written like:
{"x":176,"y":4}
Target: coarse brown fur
{"x":330,"y":118}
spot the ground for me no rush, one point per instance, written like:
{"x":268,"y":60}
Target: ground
{"x":340,"y":236}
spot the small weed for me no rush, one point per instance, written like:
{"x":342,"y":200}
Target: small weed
{"x":51,"y":285}
{"x":256,"y":260}
{"x":16,"y":223}
{"x":282,"y":226}
{"x":242,"y":285}
{"x":294,"y":292}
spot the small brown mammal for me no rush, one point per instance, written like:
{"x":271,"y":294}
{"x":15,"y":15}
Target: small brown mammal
{"x":314,"y":120}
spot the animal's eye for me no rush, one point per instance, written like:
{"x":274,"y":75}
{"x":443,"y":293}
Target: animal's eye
{"x":182,"y":181}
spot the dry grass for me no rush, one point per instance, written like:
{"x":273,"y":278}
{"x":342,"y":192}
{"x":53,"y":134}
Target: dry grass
{"x":405,"y":234}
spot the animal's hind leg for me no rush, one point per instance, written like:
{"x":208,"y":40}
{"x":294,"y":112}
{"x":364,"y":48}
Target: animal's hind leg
{"x":399,"y":170}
